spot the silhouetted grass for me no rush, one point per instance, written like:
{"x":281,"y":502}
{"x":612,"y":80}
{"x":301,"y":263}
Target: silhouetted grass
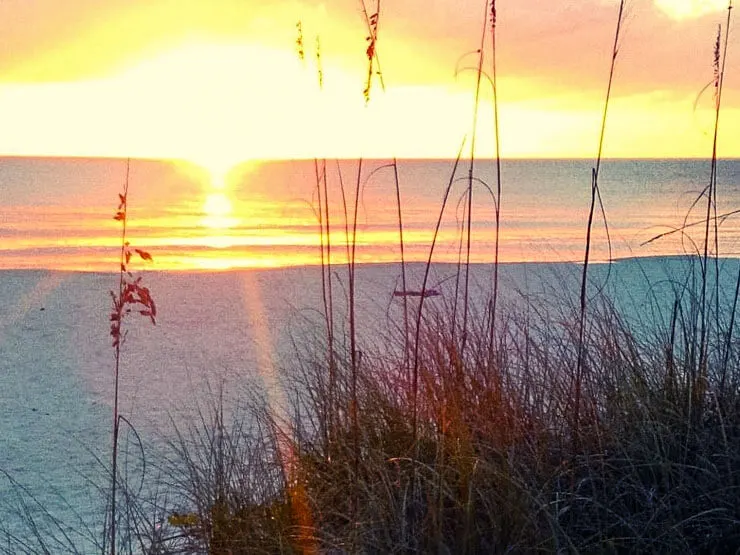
{"x":492,"y":466}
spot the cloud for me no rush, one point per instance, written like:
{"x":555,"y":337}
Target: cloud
{"x":690,"y":9}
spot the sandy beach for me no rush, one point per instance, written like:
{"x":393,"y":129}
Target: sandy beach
{"x":230,"y":333}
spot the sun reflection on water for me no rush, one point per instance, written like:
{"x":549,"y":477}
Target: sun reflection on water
{"x":218,"y":212}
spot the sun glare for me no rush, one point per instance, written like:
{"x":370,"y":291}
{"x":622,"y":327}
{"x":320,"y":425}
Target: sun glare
{"x":218,"y":206}
{"x":219,"y":170}
{"x":217,"y":211}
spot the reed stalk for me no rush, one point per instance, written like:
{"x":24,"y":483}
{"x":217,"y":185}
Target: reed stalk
{"x":720,"y":59}
{"x":494,"y":78}
{"x":471,"y":173}
{"x":131,"y":295}
{"x":595,"y":195}
{"x":117,"y":341}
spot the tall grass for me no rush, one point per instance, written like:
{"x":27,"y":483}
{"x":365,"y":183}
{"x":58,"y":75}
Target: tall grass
{"x":720,"y":59}
{"x":131,"y":296}
{"x":497,"y":140}
{"x":595,"y":194}
{"x":491,"y":458}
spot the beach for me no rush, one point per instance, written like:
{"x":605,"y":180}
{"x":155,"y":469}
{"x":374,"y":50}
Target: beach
{"x":232,"y":335}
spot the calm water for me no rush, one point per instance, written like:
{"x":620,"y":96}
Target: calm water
{"x":57,"y":212}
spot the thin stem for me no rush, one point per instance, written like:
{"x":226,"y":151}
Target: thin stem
{"x":471,"y":168}
{"x":427,"y":268}
{"x":330,"y":307}
{"x":353,"y":338}
{"x":594,"y":196}
{"x":712,"y":198}
{"x":121,"y":284}
{"x":494,"y":299}
{"x":325,"y":281}
{"x":403,"y":266}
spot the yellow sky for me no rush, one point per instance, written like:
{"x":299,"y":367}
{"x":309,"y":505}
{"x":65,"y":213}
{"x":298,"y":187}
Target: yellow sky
{"x":218,"y":81}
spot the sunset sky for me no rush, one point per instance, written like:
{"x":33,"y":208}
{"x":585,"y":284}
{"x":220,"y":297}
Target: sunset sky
{"x":219,"y":81}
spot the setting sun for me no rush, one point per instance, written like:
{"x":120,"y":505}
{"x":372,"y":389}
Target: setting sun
{"x":221,"y":90}
{"x":220,"y":86}
{"x":217,"y":209}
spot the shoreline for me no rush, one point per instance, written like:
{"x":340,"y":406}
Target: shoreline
{"x":409,"y":264}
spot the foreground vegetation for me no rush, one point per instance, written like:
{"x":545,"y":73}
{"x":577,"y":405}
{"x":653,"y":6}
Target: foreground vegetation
{"x":487,"y":457}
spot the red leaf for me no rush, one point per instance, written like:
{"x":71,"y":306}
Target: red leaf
{"x":120,"y":216}
{"x":144,"y":255}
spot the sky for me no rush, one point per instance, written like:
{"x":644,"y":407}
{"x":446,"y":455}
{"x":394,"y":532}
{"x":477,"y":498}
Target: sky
{"x":220,"y":81}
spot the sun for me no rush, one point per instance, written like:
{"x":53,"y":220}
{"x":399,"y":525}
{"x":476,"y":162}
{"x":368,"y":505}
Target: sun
{"x":218,"y":172}
{"x":218,"y":209}
{"x":218,"y":205}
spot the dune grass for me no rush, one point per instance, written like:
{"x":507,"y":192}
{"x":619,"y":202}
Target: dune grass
{"x":492,"y":466}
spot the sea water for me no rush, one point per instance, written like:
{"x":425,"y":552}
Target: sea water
{"x":58,"y":212}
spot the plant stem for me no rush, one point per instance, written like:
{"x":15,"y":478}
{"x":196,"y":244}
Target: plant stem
{"x":711,"y":193}
{"x":121,"y":271}
{"x":594,"y":194}
{"x":494,"y":299}
{"x":471,"y":168}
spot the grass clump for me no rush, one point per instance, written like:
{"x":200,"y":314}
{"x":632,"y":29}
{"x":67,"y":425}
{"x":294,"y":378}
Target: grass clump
{"x":493,"y":466}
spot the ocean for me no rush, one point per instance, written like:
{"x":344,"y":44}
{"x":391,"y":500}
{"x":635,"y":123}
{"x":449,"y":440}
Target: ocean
{"x":57,"y":213}
{"x":238,"y":290}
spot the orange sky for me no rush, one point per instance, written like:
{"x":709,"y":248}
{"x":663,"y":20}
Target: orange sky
{"x":218,"y":81}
